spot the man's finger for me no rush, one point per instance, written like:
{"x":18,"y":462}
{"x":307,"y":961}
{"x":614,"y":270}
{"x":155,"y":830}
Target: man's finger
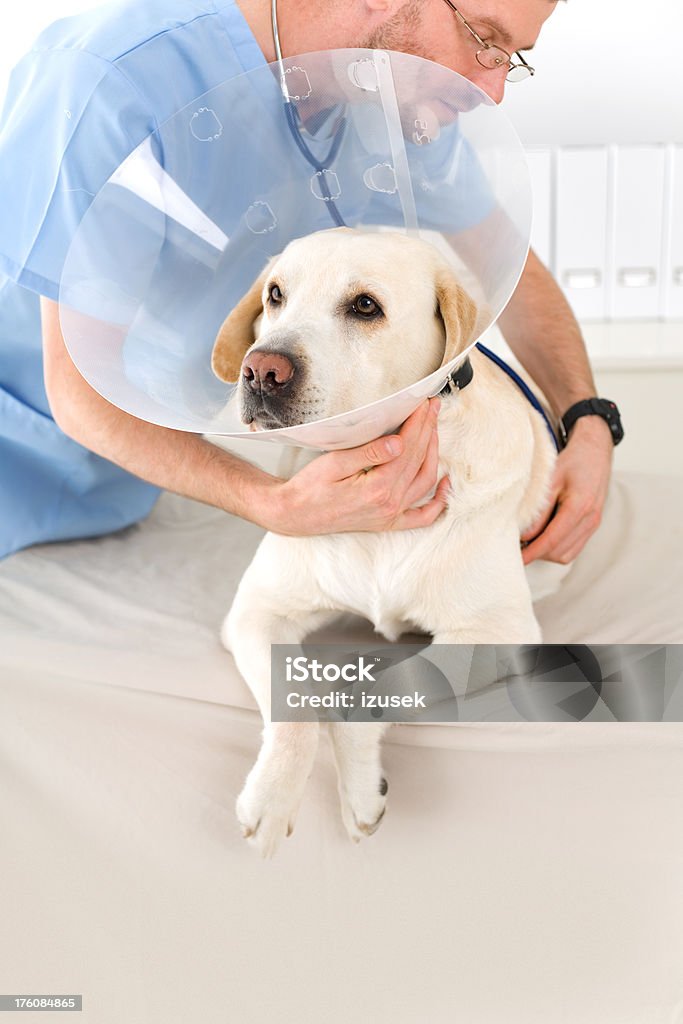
{"x":350,"y":461}
{"x":418,"y":437}
{"x":561,"y":540}
{"x":426,"y":474}
{"x":428,"y":513}
{"x":381,"y":450}
{"x":554,"y":535}
{"x":537,"y":528}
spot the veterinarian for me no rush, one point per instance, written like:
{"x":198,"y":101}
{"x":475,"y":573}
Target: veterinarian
{"x":91,"y":89}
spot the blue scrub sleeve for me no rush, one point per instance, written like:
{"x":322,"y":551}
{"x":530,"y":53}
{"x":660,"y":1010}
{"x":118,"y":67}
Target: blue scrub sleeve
{"x":70,"y":118}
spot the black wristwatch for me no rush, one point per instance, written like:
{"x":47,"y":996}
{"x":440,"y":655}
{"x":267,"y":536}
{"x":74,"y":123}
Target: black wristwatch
{"x":592,"y":407}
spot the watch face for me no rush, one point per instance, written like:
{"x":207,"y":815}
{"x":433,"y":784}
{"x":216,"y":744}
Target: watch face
{"x":609,"y":412}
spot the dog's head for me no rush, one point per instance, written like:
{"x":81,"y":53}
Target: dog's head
{"x":338,"y":320}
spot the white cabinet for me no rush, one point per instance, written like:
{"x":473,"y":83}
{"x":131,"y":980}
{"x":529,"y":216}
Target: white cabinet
{"x":636,"y":250}
{"x":608,"y":221}
{"x":581,"y":228}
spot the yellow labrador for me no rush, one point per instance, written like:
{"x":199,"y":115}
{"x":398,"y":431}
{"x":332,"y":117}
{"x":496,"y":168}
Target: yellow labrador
{"x":338,"y":320}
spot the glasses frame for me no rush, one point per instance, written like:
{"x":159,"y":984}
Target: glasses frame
{"x":488,"y":46}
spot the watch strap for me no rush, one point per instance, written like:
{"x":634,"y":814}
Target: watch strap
{"x":602,"y":407}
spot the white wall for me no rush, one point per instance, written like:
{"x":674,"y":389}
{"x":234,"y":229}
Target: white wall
{"x":607,"y":71}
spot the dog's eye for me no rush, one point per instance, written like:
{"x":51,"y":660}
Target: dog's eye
{"x":366,"y":307}
{"x":274,"y":294}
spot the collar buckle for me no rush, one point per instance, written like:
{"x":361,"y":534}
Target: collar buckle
{"x":458,"y":378}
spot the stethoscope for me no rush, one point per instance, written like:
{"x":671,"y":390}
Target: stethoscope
{"x":295,"y":129}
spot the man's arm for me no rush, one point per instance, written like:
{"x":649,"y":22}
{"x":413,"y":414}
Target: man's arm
{"x":330,"y":495}
{"x":542,"y":331}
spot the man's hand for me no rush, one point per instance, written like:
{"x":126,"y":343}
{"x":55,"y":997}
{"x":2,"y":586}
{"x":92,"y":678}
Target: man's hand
{"x":372,"y":487}
{"x":579,"y":489}
{"x":542,"y":331}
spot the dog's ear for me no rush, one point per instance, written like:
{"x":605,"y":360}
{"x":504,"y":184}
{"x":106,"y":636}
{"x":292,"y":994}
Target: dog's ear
{"x":458,"y":312}
{"x":236,"y":334}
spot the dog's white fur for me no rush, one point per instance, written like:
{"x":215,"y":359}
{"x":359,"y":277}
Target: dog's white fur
{"x":461,"y":580}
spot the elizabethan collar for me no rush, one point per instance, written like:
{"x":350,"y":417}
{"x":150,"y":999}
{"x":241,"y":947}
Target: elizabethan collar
{"x":374,"y":140}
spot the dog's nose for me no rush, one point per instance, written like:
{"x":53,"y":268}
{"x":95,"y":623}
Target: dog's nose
{"x":267,"y":371}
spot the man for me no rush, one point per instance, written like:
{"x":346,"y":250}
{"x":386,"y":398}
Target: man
{"x":90,"y":91}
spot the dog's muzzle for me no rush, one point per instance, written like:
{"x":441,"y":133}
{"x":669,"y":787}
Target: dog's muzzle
{"x":270,"y":387}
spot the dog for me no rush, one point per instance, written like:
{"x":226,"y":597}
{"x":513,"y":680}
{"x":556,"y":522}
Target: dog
{"x":340,"y":319}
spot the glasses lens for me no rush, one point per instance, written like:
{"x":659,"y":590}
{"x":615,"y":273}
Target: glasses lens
{"x":493,"y":58}
{"x":517,"y":73}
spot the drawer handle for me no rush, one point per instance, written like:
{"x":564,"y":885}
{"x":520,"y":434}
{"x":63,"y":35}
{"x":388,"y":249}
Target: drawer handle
{"x":637,"y":277}
{"x":589,"y":277}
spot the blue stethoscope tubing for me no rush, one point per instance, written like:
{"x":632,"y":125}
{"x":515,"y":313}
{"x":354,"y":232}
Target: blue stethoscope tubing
{"x":320,"y":168}
{"x":523,"y":387}
{"x":295,"y":129}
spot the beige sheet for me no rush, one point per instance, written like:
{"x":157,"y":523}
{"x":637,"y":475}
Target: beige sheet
{"x":523,"y":873}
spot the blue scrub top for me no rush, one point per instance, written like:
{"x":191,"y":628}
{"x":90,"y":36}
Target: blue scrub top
{"x":90,"y":90}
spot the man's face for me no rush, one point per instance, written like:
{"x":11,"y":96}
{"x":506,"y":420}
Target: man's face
{"x":429,"y":28}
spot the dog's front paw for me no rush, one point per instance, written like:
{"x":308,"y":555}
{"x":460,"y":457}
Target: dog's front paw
{"x":362,"y":786}
{"x":269,"y":802}
{"x":363,"y":805}
{"x":266,"y":815}
{"x":262,"y":825}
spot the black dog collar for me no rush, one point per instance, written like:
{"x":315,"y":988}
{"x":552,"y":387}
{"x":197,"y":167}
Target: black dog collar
{"x":458,"y":379}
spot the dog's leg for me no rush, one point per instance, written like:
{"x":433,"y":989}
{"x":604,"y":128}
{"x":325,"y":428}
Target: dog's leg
{"x":518,"y":626}
{"x":362,"y":786}
{"x":268,"y":804}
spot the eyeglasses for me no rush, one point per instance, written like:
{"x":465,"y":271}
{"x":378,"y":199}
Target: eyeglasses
{"x":495,"y":57}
